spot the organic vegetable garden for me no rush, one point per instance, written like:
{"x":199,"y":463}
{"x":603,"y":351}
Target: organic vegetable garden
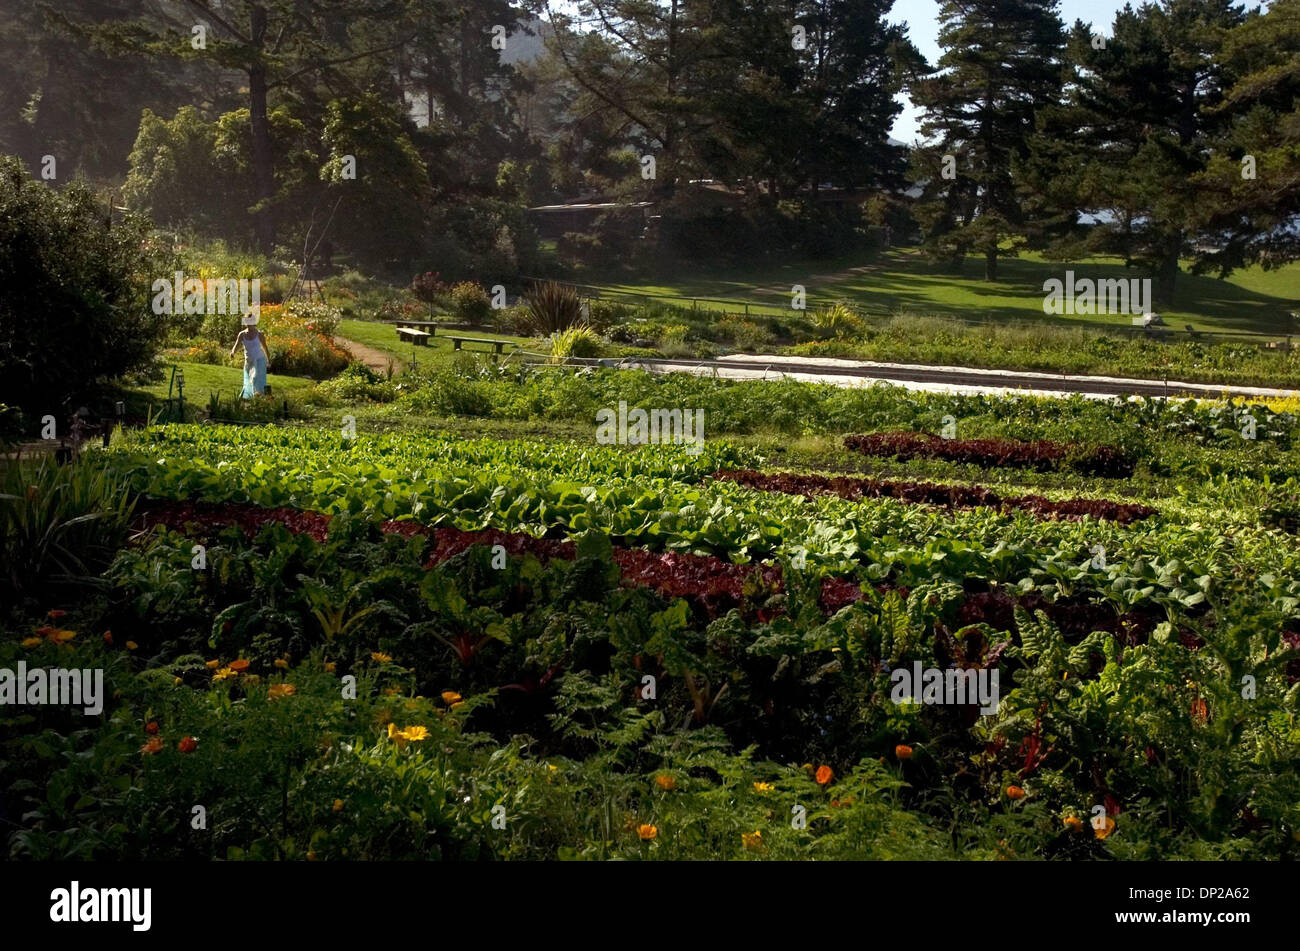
{"x":349,"y":644}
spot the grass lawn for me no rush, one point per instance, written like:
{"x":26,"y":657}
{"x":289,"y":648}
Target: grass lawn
{"x":902,"y":280}
{"x":383,"y":337}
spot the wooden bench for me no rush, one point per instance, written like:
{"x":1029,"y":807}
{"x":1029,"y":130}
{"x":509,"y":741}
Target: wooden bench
{"x":418,"y":337}
{"x":496,"y":345}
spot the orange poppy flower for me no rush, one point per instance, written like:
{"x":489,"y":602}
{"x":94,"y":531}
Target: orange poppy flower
{"x":665,"y":782}
{"x":1073,"y":823}
{"x":56,"y":614}
{"x":903,"y":751}
{"x":281,"y":690}
{"x":108,"y":638}
{"x":151,"y":727}
{"x":239,"y":666}
{"x":450,"y":696}
{"x":647,"y":832}
{"x":188,"y":745}
{"x":824,"y":775}
{"x":1015,"y":792}
{"x":1105,"y":830}
{"x":153,"y":746}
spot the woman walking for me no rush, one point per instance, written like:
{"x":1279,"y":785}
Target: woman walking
{"x":254,"y":343}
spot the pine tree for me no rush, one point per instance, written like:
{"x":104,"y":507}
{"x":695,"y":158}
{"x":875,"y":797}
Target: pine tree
{"x":1001,"y":66}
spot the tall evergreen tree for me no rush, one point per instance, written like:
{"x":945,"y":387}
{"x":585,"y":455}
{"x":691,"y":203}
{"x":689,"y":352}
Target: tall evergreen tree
{"x":1144,"y":124}
{"x":1002,"y":64}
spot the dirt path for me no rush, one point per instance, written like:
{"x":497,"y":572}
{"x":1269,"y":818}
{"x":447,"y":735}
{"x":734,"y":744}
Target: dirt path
{"x":374,"y":359}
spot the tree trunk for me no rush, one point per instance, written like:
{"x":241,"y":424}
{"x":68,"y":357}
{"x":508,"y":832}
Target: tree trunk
{"x":263,"y":167}
{"x":991,"y":264}
{"x":1168,"y":274}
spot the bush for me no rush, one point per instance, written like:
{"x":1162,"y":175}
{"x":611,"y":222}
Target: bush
{"x":552,"y":308}
{"x":839,"y":321}
{"x":580,"y":341}
{"x":359,"y":383}
{"x":470,"y":303}
{"x":75,"y":297}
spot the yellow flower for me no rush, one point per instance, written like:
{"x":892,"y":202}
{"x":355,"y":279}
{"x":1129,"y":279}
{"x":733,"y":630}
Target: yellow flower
{"x":212,"y":664}
{"x":551,"y":768}
{"x":665,"y":782}
{"x":1106,"y":830}
{"x":415,"y":733}
{"x":752,"y":840}
{"x":32,"y":642}
{"x":450,"y":697}
{"x":63,"y":637}
{"x":647,"y":832}
{"x":329,"y":668}
{"x":281,"y":690}
{"x":764,"y":787}
{"x":380,"y":656}
{"x":311,"y":856}
{"x":131,"y":645}
{"x":223,"y":674}
{"x":338,"y":805}
{"x":176,"y":682}
{"x":281,"y":663}
{"x":457,"y":706}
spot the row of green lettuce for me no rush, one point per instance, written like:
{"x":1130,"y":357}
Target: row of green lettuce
{"x":513,"y":487}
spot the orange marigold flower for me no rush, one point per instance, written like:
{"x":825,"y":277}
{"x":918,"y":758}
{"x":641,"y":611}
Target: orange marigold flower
{"x":31,"y":642}
{"x":416,"y":733}
{"x":131,"y":645}
{"x":1015,"y":792}
{"x":647,"y":832}
{"x":63,"y":636}
{"x":153,"y":746}
{"x":338,"y":805}
{"x":450,"y":697}
{"x":281,"y":690}
{"x":665,"y":782}
{"x":188,"y":745}
{"x":239,"y":666}
{"x":281,"y":663}
{"x":764,"y":787}
{"x":903,"y":751}
{"x":151,"y":727}
{"x":824,"y":775}
{"x":380,"y":656}
{"x":212,"y":664}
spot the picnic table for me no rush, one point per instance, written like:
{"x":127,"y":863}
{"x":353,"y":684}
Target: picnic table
{"x":496,"y":345}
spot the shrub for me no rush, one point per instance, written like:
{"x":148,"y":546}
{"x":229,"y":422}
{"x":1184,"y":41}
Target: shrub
{"x":552,"y":308}
{"x":579,"y":341}
{"x":748,"y":335}
{"x":358,"y":382}
{"x":470,"y":303}
{"x":839,"y":321}
{"x":75,"y":296}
